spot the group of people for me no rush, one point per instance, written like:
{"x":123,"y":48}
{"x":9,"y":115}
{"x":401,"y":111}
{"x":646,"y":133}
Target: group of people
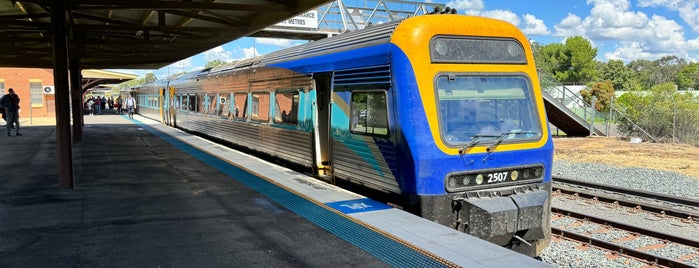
{"x":9,"y":107}
{"x":98,"y":104}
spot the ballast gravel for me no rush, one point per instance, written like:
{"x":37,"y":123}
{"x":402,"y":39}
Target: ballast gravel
{"x":567,"y":254}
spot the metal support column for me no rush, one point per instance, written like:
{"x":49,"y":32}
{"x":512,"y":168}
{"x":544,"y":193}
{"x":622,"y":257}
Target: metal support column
{"x":76,"y":94}
{"x":60,"y":78}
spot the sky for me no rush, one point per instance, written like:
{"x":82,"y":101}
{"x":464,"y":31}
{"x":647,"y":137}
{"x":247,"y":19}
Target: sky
{"x":620,"y":29}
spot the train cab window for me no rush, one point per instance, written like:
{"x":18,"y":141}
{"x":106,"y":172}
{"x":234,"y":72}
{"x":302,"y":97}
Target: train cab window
{"x":241,"y":104}
{"x":369,"y":113}
{"x":260,"y":107}
{"x":486,"y":108}
{"x":286,"y":107}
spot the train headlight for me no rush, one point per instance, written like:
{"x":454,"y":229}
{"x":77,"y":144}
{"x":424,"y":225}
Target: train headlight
{"x":452,"y":182}
{"x":479,"y":179}
{"x":538,"y":172}
{"x":465,"y":180}
{"x":514,"y":175}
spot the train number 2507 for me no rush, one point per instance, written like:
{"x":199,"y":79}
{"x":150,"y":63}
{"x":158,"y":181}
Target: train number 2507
{"x":497,"y":177}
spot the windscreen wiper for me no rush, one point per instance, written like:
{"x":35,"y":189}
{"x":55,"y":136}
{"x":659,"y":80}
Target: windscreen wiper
{"x":474,"y":140}
{"x":501,"y":138}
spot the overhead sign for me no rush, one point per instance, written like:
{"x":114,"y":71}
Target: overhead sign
{"x":305,"y":20}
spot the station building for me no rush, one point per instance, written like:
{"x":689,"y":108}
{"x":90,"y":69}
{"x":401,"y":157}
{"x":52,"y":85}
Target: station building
{"x":36,"y":90}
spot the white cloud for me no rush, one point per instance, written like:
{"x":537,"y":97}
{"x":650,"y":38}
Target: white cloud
{"x":218,"y":53}
{"x":505,"y":15}
{"x":687,"y":10}
{"x":571,"y":25}
{"x":249,"y":53}
{"x":640,"y":36}
{"x":279,"y":42}
{"x":534,"y":26}
{"x":471,"y":7}
{"x":630,"y":50}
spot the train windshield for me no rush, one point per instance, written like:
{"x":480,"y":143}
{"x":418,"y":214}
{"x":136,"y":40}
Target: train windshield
{"x":486,"y":108}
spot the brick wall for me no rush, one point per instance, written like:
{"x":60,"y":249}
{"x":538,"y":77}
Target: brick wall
{"x":19,"y":79}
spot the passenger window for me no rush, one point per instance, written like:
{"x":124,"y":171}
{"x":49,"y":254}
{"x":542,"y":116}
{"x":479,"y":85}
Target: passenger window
{"x":369,"y":113}
{"x":260,"y":107}
{"x":286,"y":107}
{"x":241,"y":102}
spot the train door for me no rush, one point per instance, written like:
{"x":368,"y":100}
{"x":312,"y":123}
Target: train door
{"x":163,"y":106}
{"x":321,"y":125}
{"x":170,"y":102}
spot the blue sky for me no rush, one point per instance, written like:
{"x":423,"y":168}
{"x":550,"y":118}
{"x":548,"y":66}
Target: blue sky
{"x":619,"y":29}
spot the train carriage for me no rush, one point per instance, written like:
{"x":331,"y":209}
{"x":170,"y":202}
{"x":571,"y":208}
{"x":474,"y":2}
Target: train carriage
{"x":444,"y":111}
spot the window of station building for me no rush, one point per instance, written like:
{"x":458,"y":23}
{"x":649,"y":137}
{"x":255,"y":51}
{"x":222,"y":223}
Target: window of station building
{"x":189,"y":103}
{"x":241,"y":104}
{"x":260,"y":107}
{"x":213,"y":104}
{"x":36,"y":91}
{"x":369,"y":113}
{"x":286,"y":104}
{"x":2,"y":86}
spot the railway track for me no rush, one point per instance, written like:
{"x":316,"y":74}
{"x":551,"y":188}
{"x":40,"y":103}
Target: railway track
{"x":618,"y":235}
{"x":664,"y":205}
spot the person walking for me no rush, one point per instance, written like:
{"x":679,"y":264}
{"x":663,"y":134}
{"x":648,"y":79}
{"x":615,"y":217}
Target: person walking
{"x":10,"y":102}
{"x":130,"y":105}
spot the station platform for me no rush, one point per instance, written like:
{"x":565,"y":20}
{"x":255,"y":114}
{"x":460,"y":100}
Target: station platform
{"x":148,"y":195}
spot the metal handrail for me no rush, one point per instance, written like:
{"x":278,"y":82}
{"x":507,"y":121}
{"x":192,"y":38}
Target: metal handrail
{"x":576,"y":104}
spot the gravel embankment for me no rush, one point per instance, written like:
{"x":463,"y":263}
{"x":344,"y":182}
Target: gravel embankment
{"x":664,"y":182}
{"x":564,"y":253}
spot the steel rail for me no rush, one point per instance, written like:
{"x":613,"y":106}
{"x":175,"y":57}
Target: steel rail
{"x":618,"y":248}
{"x":557,"y":186}
{"x":628,"y":227}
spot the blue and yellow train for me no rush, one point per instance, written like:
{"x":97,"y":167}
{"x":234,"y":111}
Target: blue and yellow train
{"x":444,"y":111}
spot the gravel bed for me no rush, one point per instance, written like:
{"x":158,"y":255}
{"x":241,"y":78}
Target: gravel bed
{"x":664,"y":182}
{"x":564,"y":253}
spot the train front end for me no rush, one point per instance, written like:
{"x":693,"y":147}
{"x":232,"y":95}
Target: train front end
{"x":476,"y":129}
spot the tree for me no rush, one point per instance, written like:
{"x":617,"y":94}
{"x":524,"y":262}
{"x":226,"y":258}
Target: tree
{"x":214,"y":63}
{"x":668,"y":68}
{"x":663,"y":112}
{"x":582,"y":59}
{"x":603,"y":91}
{"x":572,"y":63}
{"x":620,"y":75}
{"x":642,"y":72}
{"x":688,"y":77}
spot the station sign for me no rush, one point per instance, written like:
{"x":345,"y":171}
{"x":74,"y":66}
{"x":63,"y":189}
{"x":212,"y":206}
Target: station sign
{"x":305,"y":20}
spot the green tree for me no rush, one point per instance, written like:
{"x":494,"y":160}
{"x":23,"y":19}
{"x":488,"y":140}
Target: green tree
{"x":582,"y":59}
{"x":662,"y":112}
{"x":616,"y":72}
{"x":572,"y":63}
{"x":642,"y":72}
{"x":214,"y":63}
{"x":603,"y":91}
{"x":688,"y":77}
{"x":668,"y":68}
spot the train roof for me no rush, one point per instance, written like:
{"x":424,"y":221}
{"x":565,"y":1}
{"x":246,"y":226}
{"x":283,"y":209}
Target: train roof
{"x":371,"y":35}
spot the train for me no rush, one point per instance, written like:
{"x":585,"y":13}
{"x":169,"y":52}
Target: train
{"x":442,"y":111}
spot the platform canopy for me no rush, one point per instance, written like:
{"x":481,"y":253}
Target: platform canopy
{"x":133,"y":34}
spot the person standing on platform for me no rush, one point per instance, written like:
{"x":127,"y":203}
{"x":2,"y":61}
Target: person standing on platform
{"x":10,"y":102}
{"x":130,"y":105}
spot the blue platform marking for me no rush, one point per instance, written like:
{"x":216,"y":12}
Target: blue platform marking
{"x":358,"y":205}
{"x":388,"y":250}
